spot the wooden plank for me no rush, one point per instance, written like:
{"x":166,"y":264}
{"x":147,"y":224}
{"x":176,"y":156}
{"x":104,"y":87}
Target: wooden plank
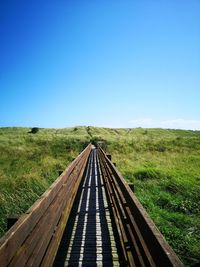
{"x":18,"y":233}
{"x":56,"y":238}
{"x":39,"y":250}
{"x":116,"y":211}
{"x":41,"y":229}
{"x":139,"y":243}
{"x":66,"y":199}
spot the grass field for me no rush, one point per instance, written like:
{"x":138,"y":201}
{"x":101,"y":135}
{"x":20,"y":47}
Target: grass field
{"x":164,"y":165}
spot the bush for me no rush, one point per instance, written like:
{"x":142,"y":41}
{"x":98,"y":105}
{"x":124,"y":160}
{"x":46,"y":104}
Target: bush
{"x":34,"y":130}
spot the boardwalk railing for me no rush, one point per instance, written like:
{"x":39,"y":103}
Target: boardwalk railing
{"x":34,"y":238}
{"x":141,"y":242}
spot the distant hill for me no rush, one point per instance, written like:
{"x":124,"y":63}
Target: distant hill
{"x":163,"y":164}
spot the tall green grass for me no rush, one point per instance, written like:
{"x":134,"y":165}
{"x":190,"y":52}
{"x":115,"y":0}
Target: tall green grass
{"x":31,"y":162}
{"x":164,"y":165}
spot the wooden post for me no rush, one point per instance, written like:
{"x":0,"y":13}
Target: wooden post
{"x":11,"y":220}
{"x":109,"y":157}
{"x":131,"y":185}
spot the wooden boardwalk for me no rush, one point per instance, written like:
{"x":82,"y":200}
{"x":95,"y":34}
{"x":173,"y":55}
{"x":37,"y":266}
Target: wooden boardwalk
{"x":89,"y":237}
{"x":88,"y":217}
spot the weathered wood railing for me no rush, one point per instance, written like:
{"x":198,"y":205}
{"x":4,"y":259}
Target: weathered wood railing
{"x":34,"y":238}
{"x":141,"y":242}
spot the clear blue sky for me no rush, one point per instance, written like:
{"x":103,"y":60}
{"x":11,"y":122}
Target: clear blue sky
{"x":102,"y":63}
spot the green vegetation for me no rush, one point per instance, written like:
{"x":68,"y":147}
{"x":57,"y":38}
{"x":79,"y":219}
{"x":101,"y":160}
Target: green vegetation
{"x":29,"y":163}
{"x":164,"y":165}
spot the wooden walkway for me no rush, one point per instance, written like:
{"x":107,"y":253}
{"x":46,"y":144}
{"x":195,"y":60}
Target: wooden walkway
{"x":89,"y":239}
{"x":88,"y":217}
